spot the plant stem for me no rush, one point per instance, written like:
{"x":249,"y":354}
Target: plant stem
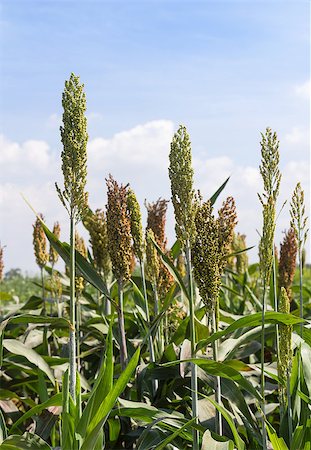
{"x":78,"y":321}
{"x":262,"y":374}
{"x":123,"y":349}
{"x":289,"y":409}
{"x":194,"y":373}
{"x":72,"y":333}
{"x":159,"y":332}
{"x":150,"y":339}
{"x":217,"y":380}
{"x":45,"y":328}
{"x":275,"y":302}
{"x":300,"y":288}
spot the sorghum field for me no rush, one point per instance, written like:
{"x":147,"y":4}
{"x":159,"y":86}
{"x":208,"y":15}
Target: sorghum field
{"x":136,"y":345}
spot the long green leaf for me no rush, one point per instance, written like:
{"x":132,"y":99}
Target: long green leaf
{"x":173,"y":270}
{"x":239,"y":442}
{"x":18,"y":348}
{"x":84,"y":268}
{"x":26,"y":442}
{"x":107,"y":404}
{"x":162,"y":445}
{"x":56,"y":400}
{"x":218,"y":192}
{"x":221,"y":370}
{"x":253,"y":320}
{"x":277,"y":443}
{"x":209,"y":443}
{"x":101,"y":388}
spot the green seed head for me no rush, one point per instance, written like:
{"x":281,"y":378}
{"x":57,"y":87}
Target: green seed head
{"x":74,"y":156}
{"x":39,"y":243}
{"x":119,"y":230}
{"x":152,"y":259}
{"x":136,"y":225}
{"x":269,"y":170}
{"x":206,"y":256}
{"x":96,"y":225}
{"x":298,"y":217}
{"x":181,"y":176}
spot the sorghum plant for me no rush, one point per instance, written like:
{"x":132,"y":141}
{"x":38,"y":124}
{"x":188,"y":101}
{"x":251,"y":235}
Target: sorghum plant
{"x":212,"y":244}
{"x":285,"y":360}
{"x":74,"y":198}
{"x":53,"y":255}
{"x":1,"y":262}
{"x":299,"y":224}
{"x":139,"y":251}
{"x":287,"y":263}
{"x":269,"y":170}
{"x":40,"y":250}
{"x":120,"y":250}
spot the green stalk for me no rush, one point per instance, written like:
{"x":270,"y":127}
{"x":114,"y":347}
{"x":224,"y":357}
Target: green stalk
{"x":159,"y":332}
{"x":72,"y":331}
{"x":150,"y":340}
{"x":123,"y":349}
{"x":45,"y":328}
{"x":262,"y":374}
{"x":194,"y":372}
{"x":289,"y":409}
{"x":275,"y":302}
{"x":300,"y":285}
{"x":217,"y":380}
{"x":78,"y":336}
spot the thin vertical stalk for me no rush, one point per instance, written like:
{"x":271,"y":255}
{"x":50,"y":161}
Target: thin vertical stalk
{"x":45,"y":328}
{"x":289,"y":409}
{"x":72,"y":332}
{"x":300,"y":286}
{"x":194,"y":372}
{"x":123,"y":349}
{"x":78,"y":336}
{"x":150,"y":339}
{"x":275,"y":295}
{"x":262,"y":367}
{"x":217,"y":380}
{"x":159,"y":332}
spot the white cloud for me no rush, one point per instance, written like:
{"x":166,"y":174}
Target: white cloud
{"x":297,"y":136}
{"x":304,"y":89}
{"x":138,"y":156}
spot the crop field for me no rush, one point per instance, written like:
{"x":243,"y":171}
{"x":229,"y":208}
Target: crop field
{"x":142,"y":345}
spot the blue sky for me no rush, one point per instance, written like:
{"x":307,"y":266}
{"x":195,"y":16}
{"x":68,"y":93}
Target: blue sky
{"x":225,"y":69}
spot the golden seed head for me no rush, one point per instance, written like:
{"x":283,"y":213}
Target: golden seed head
{"x":298,"y":218}
{"x":181,"y":176}
{"x":152,"y":259}
{"x":56,"y":285}
{"x":119,"y":229}
{"x":206,"y":255}
{"x":136,"y":225}
{"x":287,"y":263}
{"x":74,"y":155}
{"x":96,"y":225}
{"x":53,"y":255}
{"x":156,"y":220}
{"x":39,"y":243}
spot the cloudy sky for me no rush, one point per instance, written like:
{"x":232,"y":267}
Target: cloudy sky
{"x":225,"y":69}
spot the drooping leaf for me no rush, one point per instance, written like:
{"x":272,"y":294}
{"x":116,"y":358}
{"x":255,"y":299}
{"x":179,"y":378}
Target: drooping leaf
{"x":18,"y":348}
{"x":26,"y":442}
